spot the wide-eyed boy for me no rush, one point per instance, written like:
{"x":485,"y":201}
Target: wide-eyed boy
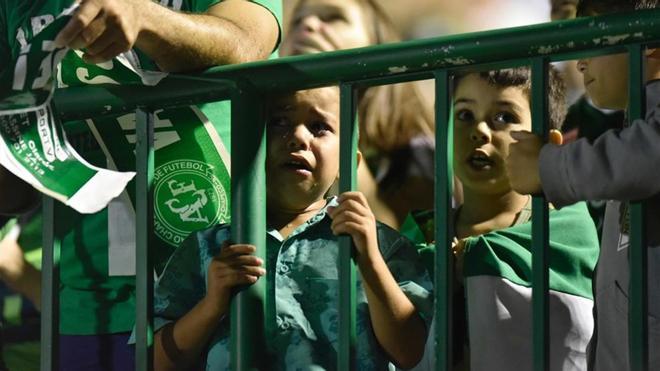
{"x":494,"y":235}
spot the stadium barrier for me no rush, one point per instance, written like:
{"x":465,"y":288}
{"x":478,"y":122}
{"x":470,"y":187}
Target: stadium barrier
{"x":247,"y":85}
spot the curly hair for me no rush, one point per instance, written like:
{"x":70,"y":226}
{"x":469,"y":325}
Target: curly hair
{"x":521,"y":77}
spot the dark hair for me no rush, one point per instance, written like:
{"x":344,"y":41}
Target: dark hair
{"x":593,"y":7}
{"x":521,"y":77}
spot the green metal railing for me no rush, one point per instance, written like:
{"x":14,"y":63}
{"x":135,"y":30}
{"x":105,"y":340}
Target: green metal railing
{"x":247,"y":85}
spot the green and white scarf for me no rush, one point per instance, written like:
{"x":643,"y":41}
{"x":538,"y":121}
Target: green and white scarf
{"x":34,"y":146}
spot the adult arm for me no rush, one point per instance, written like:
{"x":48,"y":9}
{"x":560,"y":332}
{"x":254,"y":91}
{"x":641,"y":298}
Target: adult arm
{"x":232,"y":31}
{"x":619,"y":165}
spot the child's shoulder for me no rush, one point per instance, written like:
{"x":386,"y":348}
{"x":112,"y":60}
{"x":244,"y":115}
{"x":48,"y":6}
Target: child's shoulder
{"x":390,"y":240}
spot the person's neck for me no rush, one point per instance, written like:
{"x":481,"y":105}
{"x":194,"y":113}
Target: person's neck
{"x":286,"y":219}
{"x":483,"y":213}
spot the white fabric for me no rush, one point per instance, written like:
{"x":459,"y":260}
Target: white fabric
{"x":500,"y":328}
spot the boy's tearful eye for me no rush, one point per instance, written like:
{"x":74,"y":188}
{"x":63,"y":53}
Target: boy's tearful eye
{"x":320,"y":128}
{"x":278,"y":123}
{"x":464,"y":115}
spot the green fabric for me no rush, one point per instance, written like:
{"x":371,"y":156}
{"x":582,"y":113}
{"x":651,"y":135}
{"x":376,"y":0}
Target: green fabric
{"x":91,"y":301}
{"x":31,"y":240}
{"x":22,"y":356}
{"x":507,"y":253}
{"x":574,"y":249}
{"x":412,"y":230}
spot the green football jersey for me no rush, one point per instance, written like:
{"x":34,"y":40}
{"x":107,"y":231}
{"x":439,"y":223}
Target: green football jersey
{"x":191,"y":185}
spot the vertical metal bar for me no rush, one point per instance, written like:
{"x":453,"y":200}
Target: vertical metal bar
{"x":248,"y":215}
{"x":638,"y":304}
{"x":50,"y":283}
{"x":144,"y":276}
{"x":540,"y":232}
{"x":444,"y":228}
{"x":348,"y":141}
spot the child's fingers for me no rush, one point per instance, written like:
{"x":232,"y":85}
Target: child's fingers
{"x":346,"y":216}
{"x":251,"y":271}
{"x":353,"y":202}
{"x":238,"y":249}
{"x":555,"y":137}
{"x":239,"y":278}
{"x":241,"y":260}
{"x":346,"y":227}
{"x":221,"y":269}
{"x":354,"y":195}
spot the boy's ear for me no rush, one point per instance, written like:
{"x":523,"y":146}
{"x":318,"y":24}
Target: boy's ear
{"x":359,"y":160}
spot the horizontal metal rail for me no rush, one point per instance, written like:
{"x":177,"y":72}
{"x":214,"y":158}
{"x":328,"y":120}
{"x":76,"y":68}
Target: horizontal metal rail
{"x":556,"y":41}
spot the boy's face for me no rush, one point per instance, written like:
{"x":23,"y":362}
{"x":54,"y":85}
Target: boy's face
{"x":484,"y":117}
{"x":302,"y":147}
{"x":606,"y":80}
{"x":326,"y":25}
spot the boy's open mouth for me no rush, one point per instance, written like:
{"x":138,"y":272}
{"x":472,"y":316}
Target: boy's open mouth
{"x":480,"y":161}
{"x":298,"y":165}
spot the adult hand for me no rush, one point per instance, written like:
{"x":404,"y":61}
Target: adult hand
{"x":354,"y":217}
{"x":522,"y":164}
{"x":105,"y":28}
{"x":523,"y":161}
{"x":235,"y":265}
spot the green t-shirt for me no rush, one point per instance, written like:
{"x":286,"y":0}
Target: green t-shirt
{"x":192,"y":189}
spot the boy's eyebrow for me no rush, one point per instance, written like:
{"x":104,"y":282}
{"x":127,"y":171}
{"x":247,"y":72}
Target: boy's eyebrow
{"x":506,"y":103}
{"x":325,"y":114}
{"x":513,"y":105}
{"x":463,"y":100}
{"x":283,"y":108}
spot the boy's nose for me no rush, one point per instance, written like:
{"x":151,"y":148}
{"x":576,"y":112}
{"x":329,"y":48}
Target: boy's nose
{"x":299,"y":138}
{"x":480,"y":133}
